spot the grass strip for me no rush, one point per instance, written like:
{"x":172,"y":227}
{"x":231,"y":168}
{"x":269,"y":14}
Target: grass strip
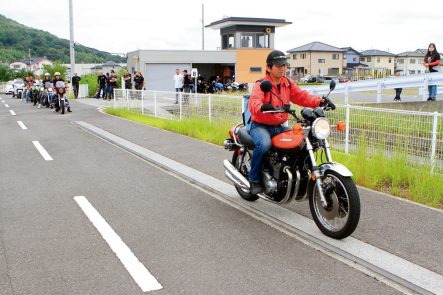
{"x":392,"y":174}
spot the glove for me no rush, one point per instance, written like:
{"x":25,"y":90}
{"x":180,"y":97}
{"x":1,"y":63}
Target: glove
{"x":266,"y":107}
{"x":327,"y":103}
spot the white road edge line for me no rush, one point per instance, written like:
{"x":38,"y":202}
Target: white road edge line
{"x":136,"y":269}
{"x":20,"y":123}
{"x":12,"y":112}
{"x":6,"y":105}
{"x":42,"y":151}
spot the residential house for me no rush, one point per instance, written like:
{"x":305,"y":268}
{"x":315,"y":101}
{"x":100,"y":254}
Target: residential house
{"x":410,"y":63}
{"x":316,"y":58}
{"x":18,"y":65}
{"x":37,"y":64}
{"x":352,"y":61}
{"x":381,"y":63}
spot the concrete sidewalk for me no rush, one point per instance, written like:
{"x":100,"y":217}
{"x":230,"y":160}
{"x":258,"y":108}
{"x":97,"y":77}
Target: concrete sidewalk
{"x":405,"y":229}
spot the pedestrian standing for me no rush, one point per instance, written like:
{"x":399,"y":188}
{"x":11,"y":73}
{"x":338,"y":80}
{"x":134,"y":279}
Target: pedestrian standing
{"x":107,"y":87}
{"x":432,"y":61}
{"x":186,"y":85}
{"x":139,"y":81}
{"x":75,"y":80}
{"x":127,"y":79}
{"x":397,"y":90}
{"x":101,"y":81}
{"x":178,"y":84}
{"x":112,"y":85}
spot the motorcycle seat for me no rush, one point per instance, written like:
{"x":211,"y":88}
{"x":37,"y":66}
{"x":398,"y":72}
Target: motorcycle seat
{"x":245,"y":138}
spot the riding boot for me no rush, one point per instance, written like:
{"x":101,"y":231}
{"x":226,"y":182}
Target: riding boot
{"x":69,"y":109}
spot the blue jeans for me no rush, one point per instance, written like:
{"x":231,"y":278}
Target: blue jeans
{"x":27,"y":95}
{"x":261,"y":135}
{"x":432,"y":89}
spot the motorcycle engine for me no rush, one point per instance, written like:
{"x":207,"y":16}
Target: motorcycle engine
{"x":269,"y":182}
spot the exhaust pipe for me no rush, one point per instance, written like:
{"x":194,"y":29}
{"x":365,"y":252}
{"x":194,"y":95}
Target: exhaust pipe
{"x":233,"y":175}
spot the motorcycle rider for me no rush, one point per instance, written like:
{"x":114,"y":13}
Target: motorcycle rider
{"x":58,"y":78}
{"x":45,"y":99}
{"x":266,"y":125}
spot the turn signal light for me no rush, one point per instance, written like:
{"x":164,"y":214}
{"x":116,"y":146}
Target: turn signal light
{"x":341,"y":126}
{"x":313,"y":177}
{"x":298,"y":129}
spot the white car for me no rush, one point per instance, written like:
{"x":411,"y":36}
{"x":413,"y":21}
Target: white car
{"x":305,"y":78}
{"x":9,"y":88}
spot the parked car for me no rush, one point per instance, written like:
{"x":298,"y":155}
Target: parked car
{"x":305,"y":78}
{"x":315,"y":80}
{"x":344,"y":79}
{"x":9,"y":87}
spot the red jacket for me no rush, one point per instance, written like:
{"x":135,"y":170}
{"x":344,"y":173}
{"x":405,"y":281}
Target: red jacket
{"x":288,"y":92}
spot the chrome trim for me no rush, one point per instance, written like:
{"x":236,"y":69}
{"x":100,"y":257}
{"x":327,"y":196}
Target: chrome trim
{"x":317,"y":174}
{"x":328,"y":151}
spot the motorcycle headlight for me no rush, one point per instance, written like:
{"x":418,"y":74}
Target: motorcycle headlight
{"x":321,"y":128}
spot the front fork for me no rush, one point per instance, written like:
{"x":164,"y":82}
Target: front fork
{"x":316,"y":169}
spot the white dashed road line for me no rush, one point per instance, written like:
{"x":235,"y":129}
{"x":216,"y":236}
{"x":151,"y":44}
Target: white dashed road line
{"x":20,"y":123}
{"x":42,"y":151}
{"x":6,"y":105}
{"x":12,"y":112}
{"x":136,"y":269}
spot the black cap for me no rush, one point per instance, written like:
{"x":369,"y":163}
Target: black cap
{"x":277,"y":58}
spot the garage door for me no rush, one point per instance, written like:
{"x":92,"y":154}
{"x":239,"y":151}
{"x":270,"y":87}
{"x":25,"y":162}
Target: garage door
{"x":160,"y":76}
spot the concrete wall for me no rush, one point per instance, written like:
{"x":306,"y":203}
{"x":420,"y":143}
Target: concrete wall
{"x":247,"y":58}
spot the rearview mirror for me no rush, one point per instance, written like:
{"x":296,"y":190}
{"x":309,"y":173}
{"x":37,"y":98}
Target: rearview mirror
{"x":332,"y":85}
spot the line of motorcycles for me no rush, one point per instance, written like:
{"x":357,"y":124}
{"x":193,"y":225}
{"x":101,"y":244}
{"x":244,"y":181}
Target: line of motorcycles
{"x":214,"y":87}
{"x":43,"y":97}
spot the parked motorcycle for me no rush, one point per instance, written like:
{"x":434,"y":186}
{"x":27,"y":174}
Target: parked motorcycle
{"x":290,"y":170}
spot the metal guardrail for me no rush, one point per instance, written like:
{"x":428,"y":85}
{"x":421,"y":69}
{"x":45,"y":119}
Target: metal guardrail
{"x":416,"y":135}
{"x":420,"y":80}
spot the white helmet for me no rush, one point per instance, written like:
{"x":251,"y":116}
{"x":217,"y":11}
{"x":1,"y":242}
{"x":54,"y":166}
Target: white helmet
{"x":47,"y":74}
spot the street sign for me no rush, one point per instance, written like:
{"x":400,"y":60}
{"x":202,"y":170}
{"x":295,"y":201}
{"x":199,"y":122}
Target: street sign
{"x":194,"y":73}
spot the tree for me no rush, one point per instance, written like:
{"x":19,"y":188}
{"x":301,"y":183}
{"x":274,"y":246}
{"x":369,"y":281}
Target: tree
{"x":57,"y":67}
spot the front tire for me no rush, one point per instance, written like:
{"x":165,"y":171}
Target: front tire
{"x":62,"y":106}
{"x":237,"y":161}
{"x":340,"y":218}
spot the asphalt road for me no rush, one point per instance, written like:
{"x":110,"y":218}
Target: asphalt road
{"x":189,"y":241}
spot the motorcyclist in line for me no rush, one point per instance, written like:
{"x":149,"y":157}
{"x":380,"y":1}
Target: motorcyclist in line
{"x":266,"y":125}
{"x":45,"y":98}
{"x":29,"y":82}
{"x":38,"y":83}
{"x":61,"y":94}
{"x":58,"y":78}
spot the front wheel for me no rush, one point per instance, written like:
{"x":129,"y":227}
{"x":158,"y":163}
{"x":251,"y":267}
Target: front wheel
{"x":340,"y":218}
{"x":62,"y":106}
{"x":241,"y":162}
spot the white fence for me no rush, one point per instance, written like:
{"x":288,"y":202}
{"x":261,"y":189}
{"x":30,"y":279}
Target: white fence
{"x":417,"y":135}
{"x":422,"y":81}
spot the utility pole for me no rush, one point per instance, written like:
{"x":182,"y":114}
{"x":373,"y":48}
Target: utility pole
{"x":203,"y":26}
{"x":71,"y":39}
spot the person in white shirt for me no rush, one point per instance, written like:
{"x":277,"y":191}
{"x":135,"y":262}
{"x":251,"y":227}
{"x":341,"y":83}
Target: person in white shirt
{"x":178,"y":83}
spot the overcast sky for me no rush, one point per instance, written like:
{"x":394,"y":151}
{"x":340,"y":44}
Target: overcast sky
{"x":122,"y":26}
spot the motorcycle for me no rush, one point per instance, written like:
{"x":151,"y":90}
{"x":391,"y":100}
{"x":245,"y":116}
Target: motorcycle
{"x":60,"y":100}
{"x":290,"y":170}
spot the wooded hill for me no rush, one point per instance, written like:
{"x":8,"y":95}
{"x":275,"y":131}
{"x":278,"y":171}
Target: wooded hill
{"x":16,"y":40}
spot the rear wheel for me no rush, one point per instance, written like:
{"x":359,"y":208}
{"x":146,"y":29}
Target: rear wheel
{"x":241,"y":162}
{"x":340,"y":218}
